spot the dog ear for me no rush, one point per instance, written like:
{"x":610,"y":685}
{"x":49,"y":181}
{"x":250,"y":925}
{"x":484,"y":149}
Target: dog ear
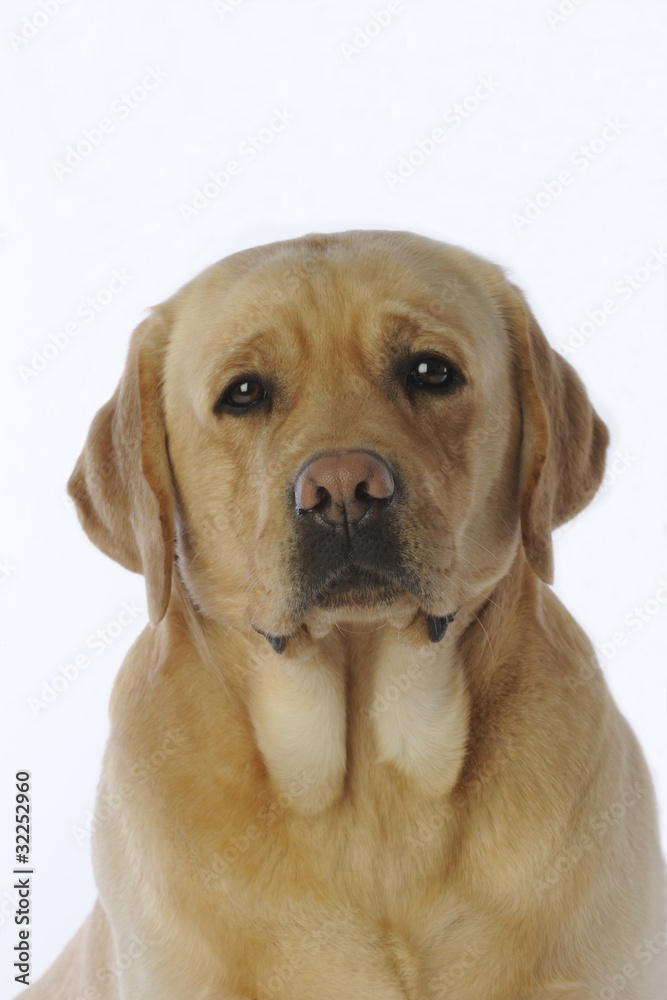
{"x":564,"y":441}
{"x":121,"y":484}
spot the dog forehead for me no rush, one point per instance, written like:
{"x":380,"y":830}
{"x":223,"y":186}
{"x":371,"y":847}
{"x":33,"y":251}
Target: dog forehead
{"x":332,"y":292}
{"x":361,"y":262}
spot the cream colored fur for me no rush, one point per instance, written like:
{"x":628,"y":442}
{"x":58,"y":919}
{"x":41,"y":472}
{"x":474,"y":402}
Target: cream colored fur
{"x":366,"y":814}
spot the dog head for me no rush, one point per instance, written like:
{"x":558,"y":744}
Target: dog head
{"x":350,"y":427}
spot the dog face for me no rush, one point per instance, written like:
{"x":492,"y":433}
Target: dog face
{"x":356,"y":427}
{"x":336,"y":442}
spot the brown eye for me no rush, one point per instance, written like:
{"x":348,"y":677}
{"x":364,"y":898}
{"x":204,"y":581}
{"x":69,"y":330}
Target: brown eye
{"x":432,"y":374}
{"x":430,"y":370}
{"x":242,"y":394}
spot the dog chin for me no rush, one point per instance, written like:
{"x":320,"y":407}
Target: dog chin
{"x":361,"y":617}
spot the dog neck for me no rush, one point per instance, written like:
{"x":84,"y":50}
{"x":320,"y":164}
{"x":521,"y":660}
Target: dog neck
{"x":356,"y":706}
{"x":326,"y":709}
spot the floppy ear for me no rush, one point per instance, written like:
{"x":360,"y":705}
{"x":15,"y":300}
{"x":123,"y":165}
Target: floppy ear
{"x":121,"y":484}
{"x":564,"y":441}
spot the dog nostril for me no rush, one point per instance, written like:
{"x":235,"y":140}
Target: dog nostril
{"x":308,"y":494}
{"x":322,"y":498}
{"x":363,"y":492}
{"x":379,"y":484}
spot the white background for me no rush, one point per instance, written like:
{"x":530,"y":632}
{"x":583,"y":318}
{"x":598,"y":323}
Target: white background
{"x":551,"y":88}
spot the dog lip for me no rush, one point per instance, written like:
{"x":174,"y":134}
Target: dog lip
{"x":438,"y":624}
{"x":354,"y":574}
{"x":277,"y":642}
{"x":365,"y":584}
{"x":355,"y":578}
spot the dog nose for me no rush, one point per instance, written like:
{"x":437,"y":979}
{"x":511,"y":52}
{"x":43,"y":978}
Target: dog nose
{"x":342,"y":486}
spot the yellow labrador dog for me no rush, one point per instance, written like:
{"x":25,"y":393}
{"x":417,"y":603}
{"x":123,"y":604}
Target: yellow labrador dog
{"x":362,"y":752}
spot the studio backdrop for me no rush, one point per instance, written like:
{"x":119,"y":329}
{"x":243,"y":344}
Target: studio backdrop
{"x":146,"y":140}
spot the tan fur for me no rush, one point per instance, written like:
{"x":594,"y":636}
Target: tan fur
{"x":368,"y":814}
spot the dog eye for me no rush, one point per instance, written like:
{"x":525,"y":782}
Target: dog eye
{"x":432,"y":372}
{"x":241,"y":395}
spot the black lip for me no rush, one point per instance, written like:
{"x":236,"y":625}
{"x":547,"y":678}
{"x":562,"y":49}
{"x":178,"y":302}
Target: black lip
{"x":277,"y":642}
{"x":353,"y":578}
{"x":365,"y":584}
{"x":438,"y":624}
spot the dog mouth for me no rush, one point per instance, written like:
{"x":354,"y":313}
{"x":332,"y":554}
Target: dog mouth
{"x":357,"y":588}
{"x":361,"y":588}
